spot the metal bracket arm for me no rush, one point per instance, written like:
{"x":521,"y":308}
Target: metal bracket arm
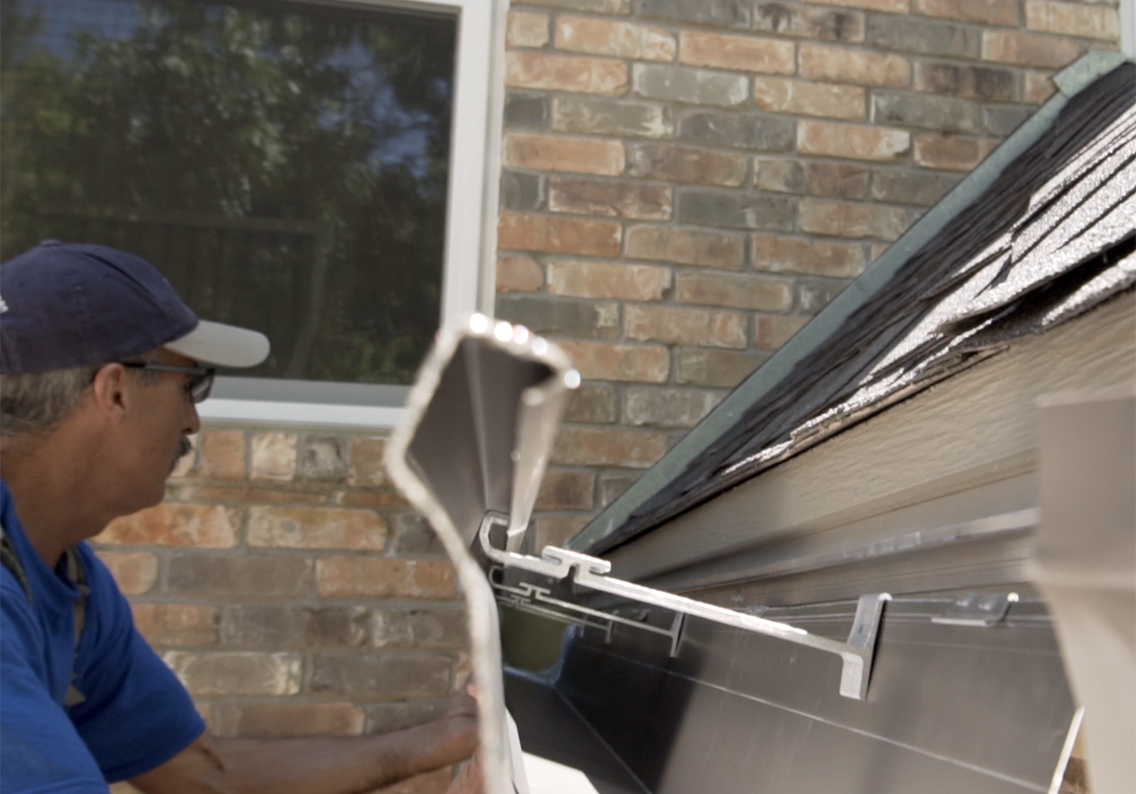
{"x":590,"y":572}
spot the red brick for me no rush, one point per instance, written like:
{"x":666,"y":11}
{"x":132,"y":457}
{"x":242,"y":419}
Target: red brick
{"x":801,"y":97}
{"x":888,"y":6}
{"x":734,"y":290}
{"x":1028,"y":49}
{"x":135,"y":572}
{"x":847,"y":219}
{"x":526,"y":30}
{"x":366,"y":461}
{"x":715,"y":368}
{"x":686,"y":165}
{"x":738,"y":53}
{"x":278,"y":720}
{"x":176,"y":625}
{"x":809,"y":257}
{"x":206,"y":526}
{"x":563,"y":153}
{"x":212,"y":576}
{"x":518,"y":274}
{"x":586,"y":446}
{"x":852,"y":141}
{"x":316,"y":528}
{"x":837,"y":180}
{"x":984,"y":12}
{"x":664,"y":407}
{"x":608,"y":280}
{"x":613,"y":361}
{"x":1073,"y":19}
{"x":558,"y":235}
{"x":566,"y":490}
{"x":380,"y":577}
{"x":1038,"y":88}
{"x":385,"y":676}
{"x":782,"y":176}
{"x":373,"y":498}
{"x":223,"y":455}
{"x":950,"y":152}
{"x":237,"y":673}
{"x":557,"y":530}
{"x":686,"y":246}
{"x":611,"y":199}
{"x":591,"y":403}
{"x":610,"y":37}
{"x":680,"y":326}
{"x":770,"y":333}
{"x":565,"y":73}
{"x":274,"y":456}
{"x":991,"y":84}
{"x":842,"y":65}
{"x":244,"y":494}
{"x":443,"y":628}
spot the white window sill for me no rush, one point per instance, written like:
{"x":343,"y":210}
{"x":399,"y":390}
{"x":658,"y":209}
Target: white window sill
{"x":285,"y":414}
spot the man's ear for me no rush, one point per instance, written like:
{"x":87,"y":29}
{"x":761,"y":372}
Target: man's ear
{"x":110,"y":392}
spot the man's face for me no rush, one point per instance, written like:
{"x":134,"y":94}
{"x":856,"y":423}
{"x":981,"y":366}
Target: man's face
{"x":157,"y":424}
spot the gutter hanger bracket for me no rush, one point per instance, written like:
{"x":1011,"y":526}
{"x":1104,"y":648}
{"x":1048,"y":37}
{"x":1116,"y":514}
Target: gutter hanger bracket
{"x":591,"y":572}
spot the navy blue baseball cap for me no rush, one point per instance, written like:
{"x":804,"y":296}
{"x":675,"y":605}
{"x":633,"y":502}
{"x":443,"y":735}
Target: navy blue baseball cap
{"x":65,"y":305}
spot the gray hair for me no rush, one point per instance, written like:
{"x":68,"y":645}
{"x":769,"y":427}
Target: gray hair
{"x":33,"y":404}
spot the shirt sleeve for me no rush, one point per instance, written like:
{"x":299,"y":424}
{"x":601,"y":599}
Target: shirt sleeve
{"x":40,"y":749}
{"x":137,"y":715}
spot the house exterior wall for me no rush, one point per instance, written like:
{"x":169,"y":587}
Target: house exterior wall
{"x":685,"y":183}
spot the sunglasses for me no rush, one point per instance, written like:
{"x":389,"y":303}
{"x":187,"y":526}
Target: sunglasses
{"x":200,"y":382}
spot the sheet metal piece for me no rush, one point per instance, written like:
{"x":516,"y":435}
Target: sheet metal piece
{"x":462,"y":451}
{"x":951,"y":708}
{"x":1086,"y":565}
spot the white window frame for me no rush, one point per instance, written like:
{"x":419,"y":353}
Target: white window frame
{"x":471,"y":216}
{"x":1128,"y":28}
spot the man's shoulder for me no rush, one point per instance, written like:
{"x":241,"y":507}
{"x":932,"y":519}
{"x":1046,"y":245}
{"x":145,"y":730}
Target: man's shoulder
{"x":20,"y":628}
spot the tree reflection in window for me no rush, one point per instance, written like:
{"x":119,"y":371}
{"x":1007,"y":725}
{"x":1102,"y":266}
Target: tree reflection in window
{"x":285,"y":165}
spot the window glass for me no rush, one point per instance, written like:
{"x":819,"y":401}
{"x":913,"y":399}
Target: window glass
{"x":284,"y":164}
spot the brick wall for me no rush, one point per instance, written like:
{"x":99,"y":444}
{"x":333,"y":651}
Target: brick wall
{"x":293,"y":591}
{"x":686,"y":182}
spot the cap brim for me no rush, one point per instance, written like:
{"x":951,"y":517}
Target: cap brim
{"x":222,"y":345}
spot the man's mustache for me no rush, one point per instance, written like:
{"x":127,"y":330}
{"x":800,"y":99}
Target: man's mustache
{"x":184,"y":448}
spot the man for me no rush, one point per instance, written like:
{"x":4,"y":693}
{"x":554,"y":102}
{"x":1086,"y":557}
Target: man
{"x":102,"y":365}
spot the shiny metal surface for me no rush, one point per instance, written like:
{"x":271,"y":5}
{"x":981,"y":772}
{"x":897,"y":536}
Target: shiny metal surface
{"x":590,"y":573}
{"x":981,"y":710}
{"x":977,"y":609}
{"x":1086,"y":566}
{"x":551,"y":728}
{"x":480,"y":421}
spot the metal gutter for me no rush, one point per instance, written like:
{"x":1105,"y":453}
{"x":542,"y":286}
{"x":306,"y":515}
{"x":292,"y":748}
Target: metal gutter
{"x":811,"y":338}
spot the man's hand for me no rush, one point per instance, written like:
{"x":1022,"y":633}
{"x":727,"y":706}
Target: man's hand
{"x":460,"y":721}
{"x":469,"y":779}
{"x":322,"y":764}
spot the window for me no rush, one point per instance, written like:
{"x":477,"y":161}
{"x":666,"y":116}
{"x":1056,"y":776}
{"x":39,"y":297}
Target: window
{"x":288,"y":166}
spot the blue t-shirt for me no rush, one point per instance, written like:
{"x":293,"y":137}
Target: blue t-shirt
{"x":136,"y":715}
